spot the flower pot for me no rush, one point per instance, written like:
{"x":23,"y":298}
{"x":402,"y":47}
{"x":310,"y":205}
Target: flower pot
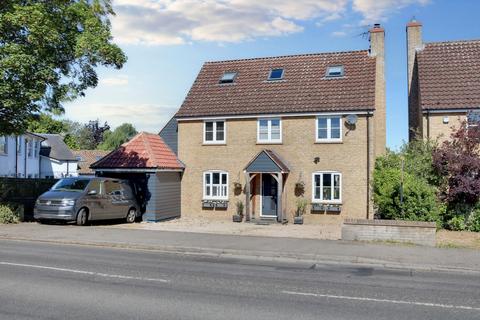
{"x":237,"y":218}
{"x":298,"y":220}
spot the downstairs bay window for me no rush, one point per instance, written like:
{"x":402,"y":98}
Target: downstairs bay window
{"x":327,"y":187}
{"x":215,"y":185}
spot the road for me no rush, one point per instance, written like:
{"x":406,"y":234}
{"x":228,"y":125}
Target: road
{"x":51,"y":281}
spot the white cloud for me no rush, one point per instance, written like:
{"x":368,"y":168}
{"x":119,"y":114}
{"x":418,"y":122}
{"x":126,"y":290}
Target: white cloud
{"x":339,"y":34}
{"x":379,"y":10}
{"x":173,"y":22}
{"x":145,"y":117}
{"x":120,"y":80}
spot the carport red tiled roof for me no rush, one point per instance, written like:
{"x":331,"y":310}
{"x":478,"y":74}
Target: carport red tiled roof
{"x":304,"y":87}
{"x":449,"y":75}
{"x":145,"y":150}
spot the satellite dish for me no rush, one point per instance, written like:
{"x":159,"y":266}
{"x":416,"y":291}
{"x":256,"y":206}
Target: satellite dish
{"x":352,"y":119}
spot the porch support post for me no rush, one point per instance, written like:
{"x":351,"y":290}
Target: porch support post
{"x":247,"y":196}
{"x":280,"y":195}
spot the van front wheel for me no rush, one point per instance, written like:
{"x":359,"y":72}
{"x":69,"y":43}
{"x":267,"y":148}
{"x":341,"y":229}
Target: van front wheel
{"x":131,"y":216}
{"x":82,"y":217}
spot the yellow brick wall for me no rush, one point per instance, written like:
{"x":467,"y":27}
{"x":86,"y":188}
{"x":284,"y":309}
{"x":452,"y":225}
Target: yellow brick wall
{"x":434,"y":128}
{"x":298,"y":150}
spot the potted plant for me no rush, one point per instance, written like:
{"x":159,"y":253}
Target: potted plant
{"x":300,"y":211}
{"x":238,"y":217}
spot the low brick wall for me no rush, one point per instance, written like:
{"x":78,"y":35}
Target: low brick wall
{"x":422,"y":233}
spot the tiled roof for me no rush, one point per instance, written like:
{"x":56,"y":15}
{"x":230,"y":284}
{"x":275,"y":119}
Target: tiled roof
{"x":304,"y":87}
{"x":145,"y":150}
{"x":86,"y":158}
{"x":53,"y":147}
{"x":449,"y":75}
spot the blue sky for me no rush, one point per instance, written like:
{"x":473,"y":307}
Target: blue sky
{"x":167,"y":41}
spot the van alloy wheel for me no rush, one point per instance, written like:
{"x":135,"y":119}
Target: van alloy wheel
{"x":132,"y":214}
{"x":82,"y":217}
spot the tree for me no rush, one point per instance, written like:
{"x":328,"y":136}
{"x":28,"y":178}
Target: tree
{"x":91,"y":135}
{"x":458,"y":159}
{"x":48,"y":54}
{"x":45,"y":123}
{"x":120,"y":135}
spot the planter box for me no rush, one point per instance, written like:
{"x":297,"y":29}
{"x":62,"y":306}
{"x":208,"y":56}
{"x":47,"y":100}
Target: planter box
{"x":320,"y":207}
{"x":237,"y":218}
{"x":298,"y":220}
{"x":218,"y":204}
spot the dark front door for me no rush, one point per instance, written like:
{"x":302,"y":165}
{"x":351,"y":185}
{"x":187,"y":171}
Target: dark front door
{"x":269,"y":195}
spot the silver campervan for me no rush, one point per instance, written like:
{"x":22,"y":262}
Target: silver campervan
{"x":86,"y":199}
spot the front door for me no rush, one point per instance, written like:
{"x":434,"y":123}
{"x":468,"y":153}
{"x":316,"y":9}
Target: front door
{"x":269,"y":195}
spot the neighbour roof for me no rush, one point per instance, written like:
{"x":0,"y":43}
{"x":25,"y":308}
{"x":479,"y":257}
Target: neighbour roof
{"x":449,"y":75}
{"x":145,"y":150}
{"x":53,"y":147}
{"x":267,"y":161}
{"x":86,"y":158}
{"x":303,"y":88}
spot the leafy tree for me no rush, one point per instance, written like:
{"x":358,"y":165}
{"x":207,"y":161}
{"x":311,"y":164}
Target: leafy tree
{"x":45,"y":123}
{"x":91,"y":135}
{"x":458,"y":159}
{"x":405,"y":184}
{"x":48,"y":54}
{"x":114,"y":139}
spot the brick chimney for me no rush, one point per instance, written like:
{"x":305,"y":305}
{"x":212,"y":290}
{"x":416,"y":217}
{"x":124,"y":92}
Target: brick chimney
{"x":414,"y":44}
{"x":377,"y":50}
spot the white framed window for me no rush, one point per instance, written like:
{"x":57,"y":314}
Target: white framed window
{"x":214,"y":132}
{"x":29,"y":148}
{"x":269,"y":130}
{"x":327,"y":187}
{"x":228,"y":77}
{"x":3,"y":145}
{"x":329,"y":129}
{"x":275,"y":74}
{"x":335,"y":71}
{"x":215,"y":185}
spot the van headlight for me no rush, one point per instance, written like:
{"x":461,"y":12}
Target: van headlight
{"x":68,"y":202}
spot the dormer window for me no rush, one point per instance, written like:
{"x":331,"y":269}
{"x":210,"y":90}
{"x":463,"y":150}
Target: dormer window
{"x":334,"y":71}
{"x":275,"y":74}
{"x":228,"y":77}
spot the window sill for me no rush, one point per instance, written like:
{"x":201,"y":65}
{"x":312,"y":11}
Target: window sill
{"x":214,"y":144}
{"x":269,"y":142}
{"x":328,"y":141}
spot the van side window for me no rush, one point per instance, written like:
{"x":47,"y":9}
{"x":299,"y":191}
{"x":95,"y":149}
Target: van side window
{"x":94,"y":185}
{"x":113,"y":188}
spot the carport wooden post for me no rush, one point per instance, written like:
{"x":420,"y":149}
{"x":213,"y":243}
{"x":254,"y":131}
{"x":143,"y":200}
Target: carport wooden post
{"x":247,"y":196}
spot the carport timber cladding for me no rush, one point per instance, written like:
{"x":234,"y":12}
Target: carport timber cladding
{"x":164,"y":189}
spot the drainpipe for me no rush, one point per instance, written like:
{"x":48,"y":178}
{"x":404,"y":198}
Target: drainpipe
{"x":25,"y":168}
{"x":16,"y":157}
{"x":368,"y":164}
{"x":428,"y":124}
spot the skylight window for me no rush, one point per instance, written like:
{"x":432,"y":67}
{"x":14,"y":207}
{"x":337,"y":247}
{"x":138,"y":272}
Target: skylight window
{"x":335,"y":71}
{"x":276,"y":74}
{"x":228,"y":77}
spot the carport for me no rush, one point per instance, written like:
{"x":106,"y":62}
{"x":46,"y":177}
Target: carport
{"x":153,"y":170}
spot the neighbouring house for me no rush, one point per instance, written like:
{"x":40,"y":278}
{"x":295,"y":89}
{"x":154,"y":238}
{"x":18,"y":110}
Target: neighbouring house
{"x":56,"y":159}
{"x":19,"y":156}
{"x":86,"y":158}
{"x":271,"y":131}
{"x":153,"y":170}
{"x":443,"y":84}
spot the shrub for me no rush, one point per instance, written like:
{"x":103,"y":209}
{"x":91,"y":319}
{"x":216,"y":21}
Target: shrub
{"x":240,"y":207}
{"x":301,"y":207}
{"x":8,"y":215}
{"x":473,"y":221}
{"x":456,"y":223}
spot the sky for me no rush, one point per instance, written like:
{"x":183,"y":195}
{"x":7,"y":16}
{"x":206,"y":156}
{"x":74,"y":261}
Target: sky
{"x":167,"y":41}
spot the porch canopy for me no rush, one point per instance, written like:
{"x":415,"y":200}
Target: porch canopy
{"x":266,"y":162}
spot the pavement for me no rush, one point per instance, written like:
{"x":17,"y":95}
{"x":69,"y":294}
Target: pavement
{"x":40,"y":280}
{"x":253,"y":247}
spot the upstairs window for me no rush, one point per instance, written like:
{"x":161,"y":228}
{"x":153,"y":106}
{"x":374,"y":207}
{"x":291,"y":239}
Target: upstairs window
{"x":215,"y":185}
{"x":228,"y":77}
{"x":334,"y":71}
{"x":269,"y":131}
{"x":329,"y":129}
{"x":214,"y":132}
{"x":275,"y":74}
{"x":473,"y":119}
{"x":327,"y":187}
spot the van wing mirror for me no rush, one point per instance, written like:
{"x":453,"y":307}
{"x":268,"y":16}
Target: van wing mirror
{"x":92,"y":192}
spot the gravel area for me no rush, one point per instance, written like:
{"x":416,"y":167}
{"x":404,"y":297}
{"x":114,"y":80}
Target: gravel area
{"x":198,"y":225}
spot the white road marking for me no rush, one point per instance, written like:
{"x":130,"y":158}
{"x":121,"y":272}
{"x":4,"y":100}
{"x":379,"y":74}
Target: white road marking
{"x":99,"y":274}
{"x":424,"y":304}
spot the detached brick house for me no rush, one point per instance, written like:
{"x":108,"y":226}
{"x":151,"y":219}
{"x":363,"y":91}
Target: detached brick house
{"x":443,"y":84}
{"x":269,"y":131}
